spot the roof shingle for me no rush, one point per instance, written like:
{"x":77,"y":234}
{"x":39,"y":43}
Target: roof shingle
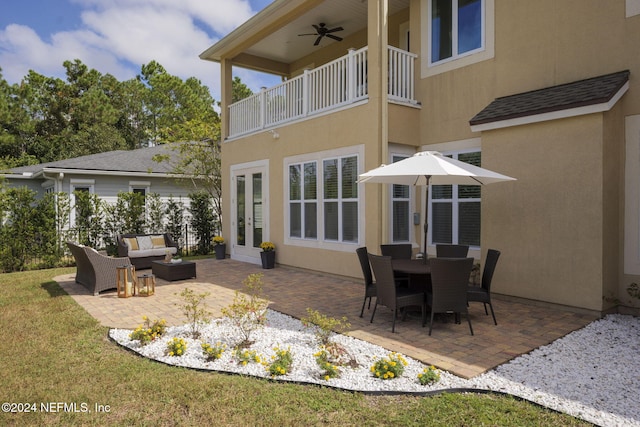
{"x":582,"y":93}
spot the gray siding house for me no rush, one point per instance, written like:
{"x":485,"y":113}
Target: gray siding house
{"x":106,"y":175}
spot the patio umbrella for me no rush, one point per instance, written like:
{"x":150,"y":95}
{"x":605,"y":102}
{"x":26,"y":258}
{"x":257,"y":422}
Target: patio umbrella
{"x":431,"y":168}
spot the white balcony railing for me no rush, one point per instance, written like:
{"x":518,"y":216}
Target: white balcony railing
{"x":336,"y":84}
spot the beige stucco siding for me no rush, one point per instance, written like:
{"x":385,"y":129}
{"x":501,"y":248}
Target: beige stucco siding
{"x":548,"y":224}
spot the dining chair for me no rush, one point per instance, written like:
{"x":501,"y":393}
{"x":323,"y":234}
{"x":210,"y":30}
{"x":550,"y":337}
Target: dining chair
{"x":369,"y":284}
{"x":482,"y":293}
{"x":449,"y":282}
{"x":452,"y":251}
{"x":398,"y":251}
{"x":388,"y":294}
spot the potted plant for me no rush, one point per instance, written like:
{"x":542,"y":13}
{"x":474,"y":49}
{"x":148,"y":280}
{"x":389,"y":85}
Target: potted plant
{"x":220,"y":247}
{"x":268,"y":255}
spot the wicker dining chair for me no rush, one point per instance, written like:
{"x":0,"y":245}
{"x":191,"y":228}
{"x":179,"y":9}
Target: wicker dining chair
{"x":452,"y":251}
{"x":389,"y":294}
{"x":369,"y":284}
{"x":449,"y":282}
{"x":398,"y":251}
{"x":482,"y":293}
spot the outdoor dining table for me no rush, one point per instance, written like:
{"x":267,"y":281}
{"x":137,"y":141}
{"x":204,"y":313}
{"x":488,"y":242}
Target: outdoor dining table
{"x":418,"y":270}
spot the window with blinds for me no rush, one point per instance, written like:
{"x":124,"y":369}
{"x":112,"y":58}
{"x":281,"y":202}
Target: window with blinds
{"x":400,"y":206}
{"x":455,"y":209}
{"x":333,"y":190}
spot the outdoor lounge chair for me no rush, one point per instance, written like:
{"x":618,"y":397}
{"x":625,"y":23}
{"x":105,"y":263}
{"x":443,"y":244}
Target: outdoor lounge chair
{"x":449,"y":282}
{"x":483,"y":293}
{"x":369,"y":284}
{"x":389,"y":295}
{"x":94,"y":271}
{"x":452,"y":251}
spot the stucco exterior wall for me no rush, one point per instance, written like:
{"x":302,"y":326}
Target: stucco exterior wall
{"x":351,"y":127}
{"x":549,"y":223}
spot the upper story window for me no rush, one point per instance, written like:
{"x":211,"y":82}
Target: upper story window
{"x":456,"y":33}
{"x":456,"y":28}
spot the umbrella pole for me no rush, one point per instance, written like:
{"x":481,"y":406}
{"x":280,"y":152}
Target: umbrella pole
{"x":426,"y":219}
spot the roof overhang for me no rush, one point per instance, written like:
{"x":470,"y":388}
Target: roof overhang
{"x":588,"y":96}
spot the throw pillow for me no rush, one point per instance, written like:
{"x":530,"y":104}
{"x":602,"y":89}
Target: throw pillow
{"x":132,"y":243}
{"x":144,"y":242}
{"x":157,"y":241}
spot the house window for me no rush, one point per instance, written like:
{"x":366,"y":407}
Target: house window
{"x":340,"y":199}
{"x":455,"y":209}
{"x":456,"y":28}
{"x":322,"y":206}
{"x":303,"y":200}
{"x":400,"y":209}
{"x":78,"y":185}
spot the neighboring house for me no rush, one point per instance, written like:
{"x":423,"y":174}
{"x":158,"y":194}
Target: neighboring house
{"x":106,"y":175}
{"x":544,"y":91}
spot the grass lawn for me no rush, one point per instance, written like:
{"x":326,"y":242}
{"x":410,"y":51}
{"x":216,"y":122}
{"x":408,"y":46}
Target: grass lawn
{"x":53,"y":351}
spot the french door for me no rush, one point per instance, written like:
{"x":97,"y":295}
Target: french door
{"x":249,"y":210}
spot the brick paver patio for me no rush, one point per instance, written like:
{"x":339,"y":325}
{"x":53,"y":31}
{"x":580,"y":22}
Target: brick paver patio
{"x":521,"y":326}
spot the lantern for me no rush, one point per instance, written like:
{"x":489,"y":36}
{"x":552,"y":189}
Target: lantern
{"x":146,"y":285}
{"x":126,"y":281}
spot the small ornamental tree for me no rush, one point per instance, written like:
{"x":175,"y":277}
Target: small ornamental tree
{"x":247,"y":312}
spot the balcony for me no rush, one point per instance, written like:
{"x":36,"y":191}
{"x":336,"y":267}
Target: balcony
{"x":337,"y":84}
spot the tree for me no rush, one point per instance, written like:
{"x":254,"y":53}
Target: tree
{"x":202,"y":220}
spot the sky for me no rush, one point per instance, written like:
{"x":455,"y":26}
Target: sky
{"x":119,"y":36}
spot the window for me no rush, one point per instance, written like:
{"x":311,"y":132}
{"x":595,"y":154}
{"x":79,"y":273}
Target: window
{"x":77,"y":186}
{"x":455,"y":209}
{"x":341,"y":199}
{"x":400,"y":209}
{"x":322,"y":204}
{"x":303,"y":203}
{"x":457,"y":28}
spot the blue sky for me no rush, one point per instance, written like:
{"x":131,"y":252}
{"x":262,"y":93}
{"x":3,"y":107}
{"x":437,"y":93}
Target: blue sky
{"x":118,"y":36}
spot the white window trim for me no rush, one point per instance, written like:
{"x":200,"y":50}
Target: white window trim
{"x":487,"y":51}
{"x":632,"y":8}
{"x":73,"y":184}
{"x":319,"y":156}
{"x":140,"y":185}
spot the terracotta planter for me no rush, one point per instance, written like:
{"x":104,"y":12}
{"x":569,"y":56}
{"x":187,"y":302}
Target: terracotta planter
{"x":220,"y":251}
{"x":268,"y":259}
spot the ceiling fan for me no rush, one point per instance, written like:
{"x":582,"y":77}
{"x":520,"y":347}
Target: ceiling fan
{"x":322,"y":31}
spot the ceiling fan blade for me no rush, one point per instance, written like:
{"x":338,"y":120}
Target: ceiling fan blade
{"x":316,"y":27}
{"x":334,"y":37}
{"x":333,"y":30}
{"x":318,"y":41}
{"x":308,"y":34}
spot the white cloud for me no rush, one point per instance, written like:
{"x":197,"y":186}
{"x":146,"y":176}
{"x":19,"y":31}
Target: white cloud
{"x":118,"y":36}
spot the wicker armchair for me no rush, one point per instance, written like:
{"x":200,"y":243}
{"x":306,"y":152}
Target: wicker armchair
{"x":94,"y":271}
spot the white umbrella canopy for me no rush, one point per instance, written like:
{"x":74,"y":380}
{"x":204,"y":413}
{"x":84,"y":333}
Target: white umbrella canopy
{"x":431,"y":168}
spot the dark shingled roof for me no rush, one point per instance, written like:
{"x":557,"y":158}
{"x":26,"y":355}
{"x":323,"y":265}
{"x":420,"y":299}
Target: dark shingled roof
{"x":140,"y":160}
{"x":596,"y":90}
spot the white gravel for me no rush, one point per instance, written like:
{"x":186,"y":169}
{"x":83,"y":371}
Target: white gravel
{"x":592,"y":373}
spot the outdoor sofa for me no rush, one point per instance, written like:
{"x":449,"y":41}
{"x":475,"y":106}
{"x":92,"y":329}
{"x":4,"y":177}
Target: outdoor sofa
{"x":142,"y":249}
{"x":95,"y":271}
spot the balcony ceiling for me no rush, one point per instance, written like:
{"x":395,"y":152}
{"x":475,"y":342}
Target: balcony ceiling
{"x":283,"y":44}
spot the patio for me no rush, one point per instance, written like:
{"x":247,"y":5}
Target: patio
{"x":521,"y":326}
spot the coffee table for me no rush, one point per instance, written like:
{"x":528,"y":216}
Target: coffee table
{"x":174,"y":271}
